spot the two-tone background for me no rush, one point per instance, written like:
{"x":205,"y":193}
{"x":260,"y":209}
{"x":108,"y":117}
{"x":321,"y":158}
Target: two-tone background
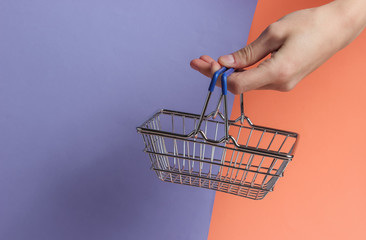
{"x":77,"y":77}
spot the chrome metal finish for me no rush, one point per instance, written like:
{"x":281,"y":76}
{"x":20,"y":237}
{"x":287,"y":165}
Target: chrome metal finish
{"x":242,"y":116}
{"x":231,"y":156}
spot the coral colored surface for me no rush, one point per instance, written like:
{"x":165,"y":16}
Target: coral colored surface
{"x":323,"y":194}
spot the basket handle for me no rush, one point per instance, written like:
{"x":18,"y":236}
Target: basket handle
{"x":224,"y":77}
{"x":225,"y":73}
{"x":224,"y":93}
{"x":215,"y":77}
{"x":224,"y":80}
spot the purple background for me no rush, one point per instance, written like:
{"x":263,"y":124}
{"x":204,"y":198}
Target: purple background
{"x":76,"y":78}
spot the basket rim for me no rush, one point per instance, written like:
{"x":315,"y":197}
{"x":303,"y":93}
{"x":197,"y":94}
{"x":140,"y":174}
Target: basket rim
{"x":143,"y":130}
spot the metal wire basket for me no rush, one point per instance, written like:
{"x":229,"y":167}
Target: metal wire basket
{"x":186,"y":148}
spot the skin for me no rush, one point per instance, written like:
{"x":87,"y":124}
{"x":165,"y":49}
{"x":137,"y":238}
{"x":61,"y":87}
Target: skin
{"x":293,"y":47}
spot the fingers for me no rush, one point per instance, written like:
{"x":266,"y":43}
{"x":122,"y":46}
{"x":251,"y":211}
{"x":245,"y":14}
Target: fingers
{"x":265,"y":76}
{"x":269,"y":41}
{"x":278,"y":73}
{"x":205,"y":65}
{"x":255,"y":78}
{"x":240,"y":81}
{"x":215,"y":66}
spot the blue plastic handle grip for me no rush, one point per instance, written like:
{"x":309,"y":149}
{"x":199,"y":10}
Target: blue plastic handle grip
{"x":224,"y":80}
{"x":215,"y":77}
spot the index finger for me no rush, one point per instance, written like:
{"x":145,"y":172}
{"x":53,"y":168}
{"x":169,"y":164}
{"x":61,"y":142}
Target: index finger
{"x":251,"y":79}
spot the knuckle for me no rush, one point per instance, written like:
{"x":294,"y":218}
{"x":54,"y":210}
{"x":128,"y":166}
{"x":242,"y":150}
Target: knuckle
{"x":284,"y":73}
{"x":286,"y":87}
{"x":235,"y":86}
{"x":246,"y":54}
{"x":276,"y":31}
{"x":284,"y":77}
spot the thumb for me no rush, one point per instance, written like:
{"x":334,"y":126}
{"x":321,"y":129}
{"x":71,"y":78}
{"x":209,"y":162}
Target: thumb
{"x":251,"y":53}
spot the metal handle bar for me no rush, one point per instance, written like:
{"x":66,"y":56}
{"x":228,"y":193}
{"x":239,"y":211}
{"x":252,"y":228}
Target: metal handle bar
{"x":215,"y":77}
{"x":225,"y":74}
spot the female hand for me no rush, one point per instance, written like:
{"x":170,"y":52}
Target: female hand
{"x":298,"y":44}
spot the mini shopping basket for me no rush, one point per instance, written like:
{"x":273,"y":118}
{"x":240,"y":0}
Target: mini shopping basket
{"x":231,"y":156}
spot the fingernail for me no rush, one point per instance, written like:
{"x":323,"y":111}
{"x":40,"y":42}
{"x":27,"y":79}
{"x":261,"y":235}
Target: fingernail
{"x":228,"y":59}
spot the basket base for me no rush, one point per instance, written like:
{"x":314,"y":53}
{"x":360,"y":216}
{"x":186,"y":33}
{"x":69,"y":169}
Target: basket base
{"x":211,"y":183}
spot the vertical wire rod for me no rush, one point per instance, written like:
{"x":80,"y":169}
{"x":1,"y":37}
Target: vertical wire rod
{"x":242,"y":117}
{"x":203,"y":112}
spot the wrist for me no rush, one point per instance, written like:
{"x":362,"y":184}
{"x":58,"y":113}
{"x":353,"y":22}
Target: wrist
{"x":347,"y":20}
{"x":353,"y":13}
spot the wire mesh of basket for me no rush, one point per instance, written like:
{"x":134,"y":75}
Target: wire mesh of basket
{"x":210,"y":151}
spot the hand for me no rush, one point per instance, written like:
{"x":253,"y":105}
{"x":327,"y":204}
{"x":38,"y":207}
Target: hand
{"x":298,"y":44}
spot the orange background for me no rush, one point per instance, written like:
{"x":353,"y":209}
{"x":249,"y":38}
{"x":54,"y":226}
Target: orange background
{"x":323,"y":193}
